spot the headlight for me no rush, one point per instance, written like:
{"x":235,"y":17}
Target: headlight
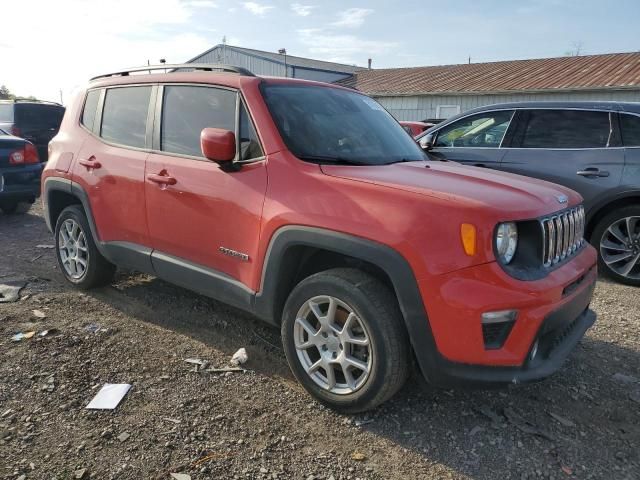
{"x":506,"y":241}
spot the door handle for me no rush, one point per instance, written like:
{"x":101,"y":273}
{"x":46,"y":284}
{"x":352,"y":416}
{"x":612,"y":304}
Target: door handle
{"x":161,"y":179}
{"x":481,"y":165}
{"x":592,"y":172}
{"x":90,"y":163}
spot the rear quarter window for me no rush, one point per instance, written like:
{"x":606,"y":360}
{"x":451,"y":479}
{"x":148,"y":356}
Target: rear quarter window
{"x":90,"y":108}
{"x":124,"y":116}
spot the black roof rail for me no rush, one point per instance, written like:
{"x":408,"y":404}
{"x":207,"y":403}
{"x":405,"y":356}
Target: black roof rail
{"x":202,"y":67}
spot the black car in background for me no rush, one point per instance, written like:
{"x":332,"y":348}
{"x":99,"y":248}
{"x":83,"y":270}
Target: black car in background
{"x":20,"y":171}
{"x":591,"y":147}
{"x":33,"y":120}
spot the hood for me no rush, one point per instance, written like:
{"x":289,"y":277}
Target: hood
{"x":511,"y":196}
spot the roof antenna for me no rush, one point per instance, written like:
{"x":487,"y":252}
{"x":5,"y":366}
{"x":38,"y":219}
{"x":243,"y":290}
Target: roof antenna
{"x":469,"y":59}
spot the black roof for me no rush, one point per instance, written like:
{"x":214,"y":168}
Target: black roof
{"x":618,"y":106}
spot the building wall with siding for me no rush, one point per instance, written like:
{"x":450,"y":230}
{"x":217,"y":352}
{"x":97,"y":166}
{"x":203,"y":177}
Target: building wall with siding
{"x":265,"y":67}
{"x":426,"y":106}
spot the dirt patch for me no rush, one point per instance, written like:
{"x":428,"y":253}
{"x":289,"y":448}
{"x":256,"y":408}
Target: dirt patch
{"x":582,"y":423}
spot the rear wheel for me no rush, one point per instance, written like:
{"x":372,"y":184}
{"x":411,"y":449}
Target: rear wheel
{"x":345,"y":340}
{"x":80,"y":261}
{"x":617,"y":238}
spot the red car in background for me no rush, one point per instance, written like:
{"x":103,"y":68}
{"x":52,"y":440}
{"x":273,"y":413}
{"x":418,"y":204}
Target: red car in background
{"x":416,"y":128}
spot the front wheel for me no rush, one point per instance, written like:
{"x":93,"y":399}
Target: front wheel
{"x":78,"y":257}
{"x":617,"y":238}
{"x":345,"y":340}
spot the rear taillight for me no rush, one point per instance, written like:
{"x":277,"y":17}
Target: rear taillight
{"x":16,"y":132}
{"x":24,"y":156}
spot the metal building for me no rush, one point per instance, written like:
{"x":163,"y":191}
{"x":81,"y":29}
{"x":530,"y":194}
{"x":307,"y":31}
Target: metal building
{"x":276,"y":64}
{"x":436,"y":93}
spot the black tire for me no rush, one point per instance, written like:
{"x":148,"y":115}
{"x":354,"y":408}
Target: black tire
{"x":99,"y":271}
{"x":9,"y":207}
{"x":378,"y":312}
{"x":601,"y":230}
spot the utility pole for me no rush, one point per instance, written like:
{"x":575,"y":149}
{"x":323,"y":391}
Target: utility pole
{"x":283,"y":51}
{"x":61,"y":102}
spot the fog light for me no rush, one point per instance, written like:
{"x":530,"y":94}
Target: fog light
{"x":496,"y":327}
{"x":500,"y":316}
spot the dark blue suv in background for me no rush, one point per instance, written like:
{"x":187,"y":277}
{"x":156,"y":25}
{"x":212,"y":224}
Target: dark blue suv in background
{"x":26,"y":128}
{"x":591,"y":147}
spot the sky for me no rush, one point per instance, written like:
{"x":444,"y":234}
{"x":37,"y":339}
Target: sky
{"x":54,"y":47}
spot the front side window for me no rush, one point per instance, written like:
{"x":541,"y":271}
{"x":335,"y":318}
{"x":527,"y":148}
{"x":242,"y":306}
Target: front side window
{"x":124,"y":116}
{"x":90,"y":107}
{"x":484,"y":130}
{"x":565,"y":129}
{"x":630,"y":130}
{"x":187,"y":110}
{"x":325,"y":124}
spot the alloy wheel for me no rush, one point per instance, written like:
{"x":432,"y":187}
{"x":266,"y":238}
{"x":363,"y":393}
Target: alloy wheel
{"x":332,"y":344}
{"x":74,"y":252}
{"x":620,"y":247}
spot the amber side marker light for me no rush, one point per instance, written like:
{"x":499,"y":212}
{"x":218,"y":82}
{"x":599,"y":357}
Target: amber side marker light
{"x":468,"y":236}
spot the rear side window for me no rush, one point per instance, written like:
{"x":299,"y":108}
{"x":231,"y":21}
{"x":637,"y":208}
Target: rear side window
{"x":565,"y":129}
{"x":90,"y":107}
{"x":124,"y":116}
{"x":6,"y":112}
{"x":186,"y":111}
{"x":484,"y":130}
{"x":630,"y":130}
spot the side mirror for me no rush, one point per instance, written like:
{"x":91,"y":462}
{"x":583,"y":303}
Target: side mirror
{"x":426,"y":142}
{"x":218,"y":144}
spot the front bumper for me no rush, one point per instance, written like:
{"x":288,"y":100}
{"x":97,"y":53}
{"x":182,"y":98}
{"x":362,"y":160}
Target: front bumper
{"x":552,"y":313}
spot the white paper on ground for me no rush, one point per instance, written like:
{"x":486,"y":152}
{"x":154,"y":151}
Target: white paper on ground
{"x":109,"y":396}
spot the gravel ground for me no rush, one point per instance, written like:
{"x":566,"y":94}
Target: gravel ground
{"x":584,"y":422}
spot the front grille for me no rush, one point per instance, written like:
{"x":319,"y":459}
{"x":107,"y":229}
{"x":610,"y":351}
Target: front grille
{"x":562,"y":235}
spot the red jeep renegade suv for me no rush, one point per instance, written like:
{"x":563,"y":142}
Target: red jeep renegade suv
{"x":309,"y":206}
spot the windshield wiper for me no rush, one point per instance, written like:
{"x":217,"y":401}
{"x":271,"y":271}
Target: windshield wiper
{"x":328,"y":159}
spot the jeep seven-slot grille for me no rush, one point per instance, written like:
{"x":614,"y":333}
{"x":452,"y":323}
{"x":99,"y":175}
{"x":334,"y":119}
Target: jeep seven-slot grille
{"x":562,"y":235}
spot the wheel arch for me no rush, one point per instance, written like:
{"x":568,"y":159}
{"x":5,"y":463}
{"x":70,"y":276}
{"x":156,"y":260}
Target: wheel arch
{"x":605,"y":207}
{"x":295,"y":252}
{"x":60,"y":193}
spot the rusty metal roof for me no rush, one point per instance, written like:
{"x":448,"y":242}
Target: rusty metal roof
{"x":588,"y":72}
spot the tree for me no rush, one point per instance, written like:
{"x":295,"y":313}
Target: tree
{"x":5,"y":94}
{"x":576,"y":50}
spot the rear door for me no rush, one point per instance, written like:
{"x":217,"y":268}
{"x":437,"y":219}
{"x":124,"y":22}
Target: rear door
{"x":474,"y":140}
{"x":203,"y":212}
{"x":576,"y":148}
{"x":110,"y":165}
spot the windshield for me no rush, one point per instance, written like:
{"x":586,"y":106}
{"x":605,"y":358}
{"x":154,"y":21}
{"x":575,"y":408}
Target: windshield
{"x":6,"y":112}
{"x":326,"y":124}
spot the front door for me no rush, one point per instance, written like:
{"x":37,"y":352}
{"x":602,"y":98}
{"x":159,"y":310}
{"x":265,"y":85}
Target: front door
{"x":579,"y":149}
{"x":473,"y":140}
{"x":203,"y":217}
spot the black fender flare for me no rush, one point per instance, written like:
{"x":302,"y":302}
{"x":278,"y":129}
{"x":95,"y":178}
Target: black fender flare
{"x":383,"y":256}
